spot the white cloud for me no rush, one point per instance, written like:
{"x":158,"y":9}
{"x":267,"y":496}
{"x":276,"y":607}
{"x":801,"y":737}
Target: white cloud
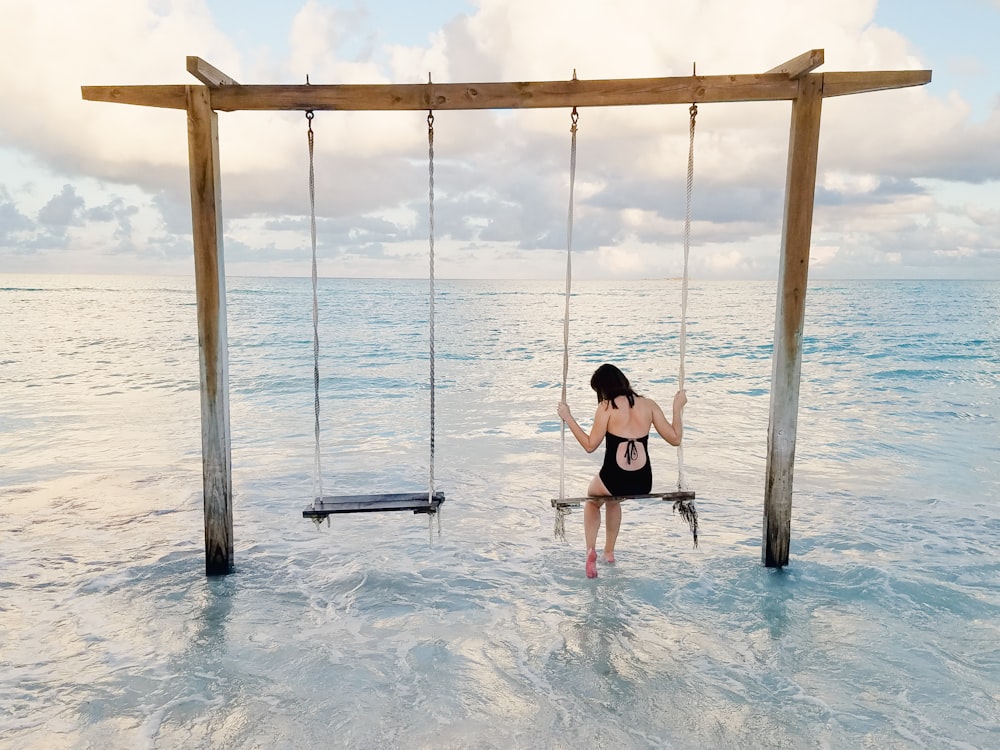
{"x":64,"y":209}
{"x":63,"y":45}
{"x":501,"y":176}
{"x":848,"y":183}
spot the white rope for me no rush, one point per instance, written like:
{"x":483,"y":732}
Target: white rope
{"x":430,"y":171}
{"x":317,"y":467}
{"x":569,"y":288}
{"x":562,"y":511}
{"x":693,"y":112}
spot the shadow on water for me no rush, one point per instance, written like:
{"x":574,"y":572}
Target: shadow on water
{"x":597,"y":633}
{"x":213,"y":615}
{"x":778,"y":588}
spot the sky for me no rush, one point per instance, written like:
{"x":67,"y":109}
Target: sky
{"x":908,"y":183}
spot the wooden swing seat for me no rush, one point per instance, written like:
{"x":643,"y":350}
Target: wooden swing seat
{"x":568,"y":502}
{"x":413,"y":501}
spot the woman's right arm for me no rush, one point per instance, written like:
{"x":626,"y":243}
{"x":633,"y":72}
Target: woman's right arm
{"x":590,"y":442}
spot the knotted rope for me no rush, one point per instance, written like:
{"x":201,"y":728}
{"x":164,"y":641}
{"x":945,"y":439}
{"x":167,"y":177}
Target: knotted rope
{"x":693,"y":112}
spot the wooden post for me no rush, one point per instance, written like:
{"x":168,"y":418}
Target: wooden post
{"x":210,"y":286}
{"x":786,"y":363}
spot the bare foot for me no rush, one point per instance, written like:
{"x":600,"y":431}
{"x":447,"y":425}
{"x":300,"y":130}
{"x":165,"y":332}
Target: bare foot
{"x":609,"y":557}
{"x":592,"y":564}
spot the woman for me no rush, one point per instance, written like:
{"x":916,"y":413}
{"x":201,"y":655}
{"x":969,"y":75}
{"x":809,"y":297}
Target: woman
{"x":624,"y":418}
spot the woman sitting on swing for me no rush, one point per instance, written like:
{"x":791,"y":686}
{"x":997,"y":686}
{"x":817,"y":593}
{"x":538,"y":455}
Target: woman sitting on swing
{"x":624,"y":418}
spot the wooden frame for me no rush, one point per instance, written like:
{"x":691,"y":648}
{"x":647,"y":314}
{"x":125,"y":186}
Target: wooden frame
{"x":792,"y":81}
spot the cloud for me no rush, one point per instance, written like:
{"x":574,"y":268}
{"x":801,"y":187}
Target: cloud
{"x":501,"y":177}
{"x":63,"y":210}
{"x":116,"y":212}
{"x":12,"y":221}
{"x":64,"y":45}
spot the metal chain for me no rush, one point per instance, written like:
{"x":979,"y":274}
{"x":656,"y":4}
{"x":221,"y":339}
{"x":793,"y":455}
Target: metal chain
{"x":317,"y":467}
{"x":430,"y":172}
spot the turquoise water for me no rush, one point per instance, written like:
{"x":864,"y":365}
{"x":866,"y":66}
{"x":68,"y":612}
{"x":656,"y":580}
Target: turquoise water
{"x":381,"y":631}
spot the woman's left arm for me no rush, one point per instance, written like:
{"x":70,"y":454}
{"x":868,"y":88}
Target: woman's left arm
{"x":671,"y":432}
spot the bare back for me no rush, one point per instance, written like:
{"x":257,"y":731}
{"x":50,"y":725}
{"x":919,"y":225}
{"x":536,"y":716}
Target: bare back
{"x":634,"y":422}
{"x":630,"y":422}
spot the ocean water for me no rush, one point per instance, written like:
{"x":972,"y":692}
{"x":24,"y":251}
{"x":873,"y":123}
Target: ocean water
{"x":478,"y":629}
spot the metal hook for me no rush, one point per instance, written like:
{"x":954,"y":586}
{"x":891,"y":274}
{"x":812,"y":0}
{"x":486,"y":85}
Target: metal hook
{"x":309,"y":113}
{"x":430,"y":112}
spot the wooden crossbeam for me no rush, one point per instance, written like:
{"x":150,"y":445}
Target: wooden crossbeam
{"x":568,"y":502}
{"x":169,"y":96}
{"x":799,"y":66}
{"x":523,"y":95}
{"x":208,"y":74}
{"x":842,"y":84}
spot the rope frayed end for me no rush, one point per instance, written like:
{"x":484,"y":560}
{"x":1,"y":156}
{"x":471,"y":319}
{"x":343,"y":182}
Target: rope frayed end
{"x":687,"y":510}
{"x":559,"y":531}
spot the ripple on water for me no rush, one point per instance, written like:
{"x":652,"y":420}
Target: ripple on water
{"x":381,"y":632}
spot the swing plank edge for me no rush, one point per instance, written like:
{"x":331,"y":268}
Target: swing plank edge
{"x":567,"y":502}
{"x":413,"y":501}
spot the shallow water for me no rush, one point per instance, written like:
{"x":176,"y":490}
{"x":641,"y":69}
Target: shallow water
{"x":380,"y":631}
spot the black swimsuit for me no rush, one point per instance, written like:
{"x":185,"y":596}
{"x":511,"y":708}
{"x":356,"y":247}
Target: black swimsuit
{"x":619,"y":481}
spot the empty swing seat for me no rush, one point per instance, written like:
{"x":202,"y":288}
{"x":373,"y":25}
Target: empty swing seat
{"x":568,"y":502}
{"x":417,"y":502}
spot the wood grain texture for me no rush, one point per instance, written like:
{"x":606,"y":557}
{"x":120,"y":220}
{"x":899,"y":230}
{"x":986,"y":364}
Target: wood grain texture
{"x":210,"y":290}
{"x":172,"y":97}
{"x":517,"y":95}
{"x":523,"y":95}
{"x":208,"y":74}
{"x":800,"y":190}
{"x":800,"y":65}
{"x":844,"y":84}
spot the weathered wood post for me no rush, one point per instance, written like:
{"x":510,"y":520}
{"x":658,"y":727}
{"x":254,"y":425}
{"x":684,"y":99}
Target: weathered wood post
{"x":786,"y":363}
{"x":210,"y":286}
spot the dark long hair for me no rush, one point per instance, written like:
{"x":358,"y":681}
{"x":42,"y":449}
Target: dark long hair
{"x":609,"y":382}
